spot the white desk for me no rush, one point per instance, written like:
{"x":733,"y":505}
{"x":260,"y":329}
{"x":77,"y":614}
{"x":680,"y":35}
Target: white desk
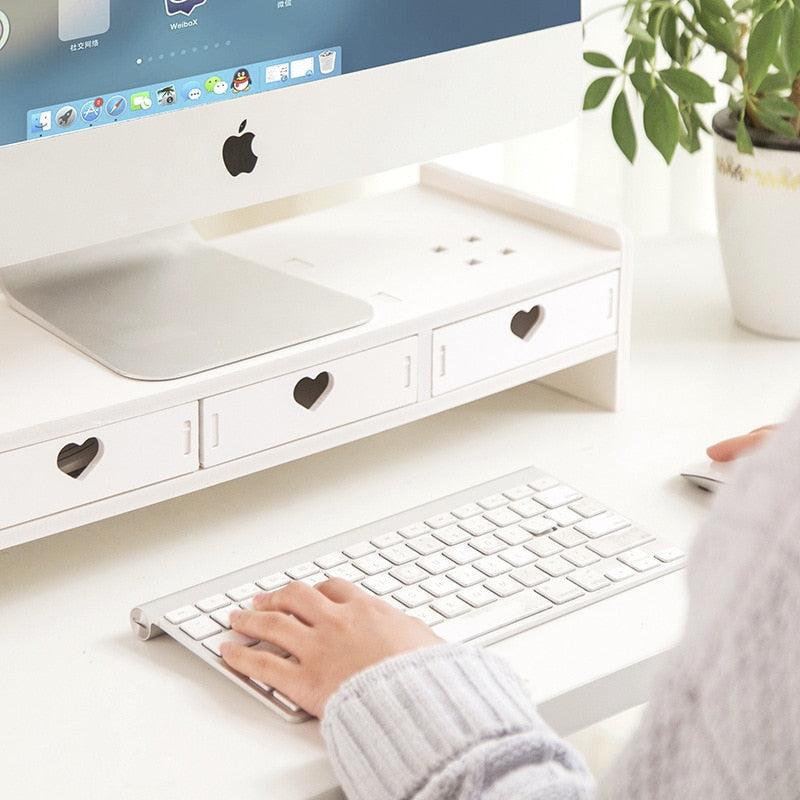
{"x":90,"y":711}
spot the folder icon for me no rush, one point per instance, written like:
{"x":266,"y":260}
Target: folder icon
{"x":79,"y":19}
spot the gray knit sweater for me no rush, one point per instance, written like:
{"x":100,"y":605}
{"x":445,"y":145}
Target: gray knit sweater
{"x":723,"y":721}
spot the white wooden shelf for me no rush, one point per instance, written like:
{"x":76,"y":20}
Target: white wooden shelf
{"x":475,"y":288}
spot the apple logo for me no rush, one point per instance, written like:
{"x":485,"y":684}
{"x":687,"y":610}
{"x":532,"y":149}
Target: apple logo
{"x":237,"y":152}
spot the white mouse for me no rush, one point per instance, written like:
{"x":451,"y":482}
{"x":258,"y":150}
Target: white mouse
{"x":708,"y":475}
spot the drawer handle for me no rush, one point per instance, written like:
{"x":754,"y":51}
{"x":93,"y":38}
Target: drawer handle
{"x":524,"y":323}
{"x":308,"y":392}
{"x":74,"y":459}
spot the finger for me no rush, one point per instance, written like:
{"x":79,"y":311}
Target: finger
{"x":279,"y":629}
{"x":730,"y":449}
{"x":268,"y":668}
{"x":298,"y":599}
{"x":339,"y":590}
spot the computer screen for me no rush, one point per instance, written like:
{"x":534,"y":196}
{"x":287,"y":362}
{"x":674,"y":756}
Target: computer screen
{"x":118,"y":118}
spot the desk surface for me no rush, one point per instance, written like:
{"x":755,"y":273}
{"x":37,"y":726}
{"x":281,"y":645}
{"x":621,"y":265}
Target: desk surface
{"x":90,"y":711}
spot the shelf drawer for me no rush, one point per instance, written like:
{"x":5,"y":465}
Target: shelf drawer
{"x":307,"y":402}
{"x":90,"y":465}
{"x":516,"y":335}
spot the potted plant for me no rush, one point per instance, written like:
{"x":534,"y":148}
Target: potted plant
{"x":756,"y":44}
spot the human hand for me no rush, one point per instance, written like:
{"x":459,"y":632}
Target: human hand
{"x":334,"y":630}
{"x":730,"y":449}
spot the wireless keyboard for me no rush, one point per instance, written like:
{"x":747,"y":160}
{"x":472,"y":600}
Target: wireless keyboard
{"x":478,"y":566}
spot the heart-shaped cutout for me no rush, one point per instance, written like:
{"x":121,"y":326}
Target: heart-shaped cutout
{"x":308,"y":392}
{"x":524,"y":323}
{"x":74,"y":459}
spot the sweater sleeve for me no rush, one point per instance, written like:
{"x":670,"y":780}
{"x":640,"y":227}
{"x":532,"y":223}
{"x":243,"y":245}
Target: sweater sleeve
{"x":446,"y":721}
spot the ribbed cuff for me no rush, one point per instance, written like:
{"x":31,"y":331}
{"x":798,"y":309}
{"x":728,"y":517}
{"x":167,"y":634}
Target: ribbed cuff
{"x":393,"y":726}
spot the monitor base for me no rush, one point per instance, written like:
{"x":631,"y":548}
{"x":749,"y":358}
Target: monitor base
{"x":165,"y":305}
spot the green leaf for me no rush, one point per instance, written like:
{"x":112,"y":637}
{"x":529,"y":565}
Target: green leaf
{"x":775,"y":83}
{"x":761,"y":48}
{"x":790,"y":38}
{"x":779,"y":106}
{"x":599,"y":60}
{"x":661,"y":122}
{"x":596,"y":92}
{"x":731,"y":73}
{"x":719,"y":8}
{"x":636,"y":31}
{"x":669,"y":37}
{"x":622,"y":127}
{"x":687,"y":85}
{"x":744,"y":143}
{"x":641,"y":82}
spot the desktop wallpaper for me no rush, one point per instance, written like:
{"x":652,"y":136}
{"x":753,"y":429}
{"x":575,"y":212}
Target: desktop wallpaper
{"x":67,"y":65}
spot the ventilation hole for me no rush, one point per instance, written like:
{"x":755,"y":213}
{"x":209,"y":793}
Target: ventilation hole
{"x":473,"y":238}
{"x":473,"y":262}
{"x":507,"y":252}
{"x":439,"y":249}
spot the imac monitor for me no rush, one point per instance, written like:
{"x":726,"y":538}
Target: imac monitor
{"x":121,"y":122}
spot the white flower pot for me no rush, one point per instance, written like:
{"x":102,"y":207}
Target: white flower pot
{"x":758,"y":215}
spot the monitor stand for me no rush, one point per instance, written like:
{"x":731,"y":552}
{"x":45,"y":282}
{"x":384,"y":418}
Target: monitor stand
{"x":165,"y":304}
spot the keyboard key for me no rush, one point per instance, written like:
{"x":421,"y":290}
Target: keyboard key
{"x":409,"y":573}
{"x":503,"y":586}
{"x":450,"y":607}
{"x":399,"y":554}
{"x":359,"y":550}
{"x":212,"y":603}
{"x":372,"y":564}
{"x":462,"y":553}
{"x":602,"y":524}
{"x":555,"y":566}
{"x":381,"y":584}
{"x":563,"y":516}
{"x":302,"y":570}
{"x":426,"y":544}
{"x":590,"y":579}
{"x":200,"y":628}
{"x":587,"y":507}
{"x":180,"y":615}
{"x":581,"y":557}
{"x":503,"y":517}
{"x":543,"y":483}
{"x":415,"y":529}
{"x":467,"y":510}
{"x":466,"y":576}
{"x":560,"y":590}
{"x":529,"y":576}
{"x":669,"y":554}
{"x":558,"y":495}
{"x":493,"y":501}
{"x":492,"y":617}
{"x":329,"y":560}
{"x":568,"y":537}
{"x":440,"y":586}
{"x":412,"y":596}
{"x":243,"y":592}
{"x":492,"y":565}
{"x":213,"y":642}
{"x":426,"y":614}
{"x":518,"y":492}
{"x":527,"y":508}
{"x":620,"y":573}
{"x":386,"y":540}
{"x":617,"y":543}
{"x":514,"y":535}
{"x":435,"y":564}
{"x":452,"y":534}
{"x":346,"y":572}
{"x":440,"y":520}
{"x":477,"y":526}
{"x":543,"y":547}
{"x":488,"y":545}
{"x":518,"y":556}
{"x":639,"y":560}
{"x":270,"y":583}
{"x":478,"y":596}
{"x":538,"y":526}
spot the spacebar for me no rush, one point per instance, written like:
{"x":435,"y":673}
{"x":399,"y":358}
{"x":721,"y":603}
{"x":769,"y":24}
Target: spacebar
{"x":479,"y":621}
